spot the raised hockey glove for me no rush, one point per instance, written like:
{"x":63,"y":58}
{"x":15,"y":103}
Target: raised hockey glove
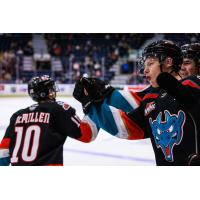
{"x":97,"y":89}
{"x":91,"y":90}
{"x":80,"y":95}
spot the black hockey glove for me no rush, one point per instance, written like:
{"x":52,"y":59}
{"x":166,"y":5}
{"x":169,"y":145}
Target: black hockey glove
{"x":81,"y":96}
{"x":95,"y":91}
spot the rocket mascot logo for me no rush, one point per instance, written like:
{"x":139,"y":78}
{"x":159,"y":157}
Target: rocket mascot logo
{"x":168,"y":133}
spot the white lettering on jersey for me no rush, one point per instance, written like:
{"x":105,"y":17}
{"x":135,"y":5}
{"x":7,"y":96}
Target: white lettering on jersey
{"x":33,"y":117}
{"x":149,"y":107}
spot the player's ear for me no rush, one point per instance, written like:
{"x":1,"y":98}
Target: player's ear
{"x":52,"y":94}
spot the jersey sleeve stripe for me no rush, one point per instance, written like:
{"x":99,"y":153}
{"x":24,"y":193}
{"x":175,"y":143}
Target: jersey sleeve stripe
{"x":132,"y":98}
{"x":75,"y":120}
{"x":134,"y":131}
{"x":89,"y":130}
{"x":126,"y":128}
{"x":103,"y":118}
{"x":5,"y":143}
{"x":121,"y":100}
{"x":150,"y":96}
{"x":4,"y":153}
{"x":137,"y":98}
{"x":119,"y":123}
{"x":114,"y":122}
{"x":190,"y":84}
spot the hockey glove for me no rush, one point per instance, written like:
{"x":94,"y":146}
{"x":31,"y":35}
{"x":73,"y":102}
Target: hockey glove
{"x":91,"y":90}
{"x":97,"y":89}
{"x":80,"y":95}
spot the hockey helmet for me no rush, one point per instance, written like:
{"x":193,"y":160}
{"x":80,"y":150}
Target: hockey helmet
{"x":162,"y":49}
{"x":40,"y":86}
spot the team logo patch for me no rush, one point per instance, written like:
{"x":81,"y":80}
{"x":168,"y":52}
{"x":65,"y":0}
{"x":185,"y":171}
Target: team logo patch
{"x":168,"y":133}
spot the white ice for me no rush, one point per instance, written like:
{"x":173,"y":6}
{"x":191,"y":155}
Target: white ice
{"x":105,"y":150}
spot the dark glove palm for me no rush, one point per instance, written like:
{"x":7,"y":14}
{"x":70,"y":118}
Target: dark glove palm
{"x":80,"y":95}
{"x":96,"y":89}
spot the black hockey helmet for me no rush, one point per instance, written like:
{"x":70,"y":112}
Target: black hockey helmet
{"x":192,"y":51}
{"x":40,"y":86}
{"x":162,"y":49}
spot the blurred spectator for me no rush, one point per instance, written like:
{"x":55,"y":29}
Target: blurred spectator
{"x":7,"y":77}
{"x":94,"y":54}
{"x":76,"y":70}
{"x":28,"y":49}
{"x":56,"y":50}
{"x":7,"y":62}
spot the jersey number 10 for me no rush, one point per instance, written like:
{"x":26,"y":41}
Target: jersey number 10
{"x":27,"y":154}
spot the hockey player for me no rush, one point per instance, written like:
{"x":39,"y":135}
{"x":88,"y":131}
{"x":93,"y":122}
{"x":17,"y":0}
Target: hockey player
{"x":191,"y":62}
{"x":191,"y":59}
{"x":36,"y":134}
{"x":168,"y":120}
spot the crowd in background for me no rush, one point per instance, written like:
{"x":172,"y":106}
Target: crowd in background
{"x":94,"y":54}
{"x":12,"y":49}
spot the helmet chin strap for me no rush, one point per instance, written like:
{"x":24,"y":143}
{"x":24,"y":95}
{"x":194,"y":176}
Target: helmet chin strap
{"x":161,"y":60}
{"x":173,"y":70}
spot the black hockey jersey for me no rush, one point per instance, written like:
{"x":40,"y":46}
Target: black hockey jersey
{"x":157,"y":116}
{"x":36,"y":134}
{"x":170,"y":126}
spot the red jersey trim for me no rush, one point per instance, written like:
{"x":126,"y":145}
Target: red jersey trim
{"x":134,"y":131}
{"x":191,"y":84}
{"x":5,"y":143}
{"x":136,"y":97}
{"x":150,"y":96}
{"x":86,"y":132}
